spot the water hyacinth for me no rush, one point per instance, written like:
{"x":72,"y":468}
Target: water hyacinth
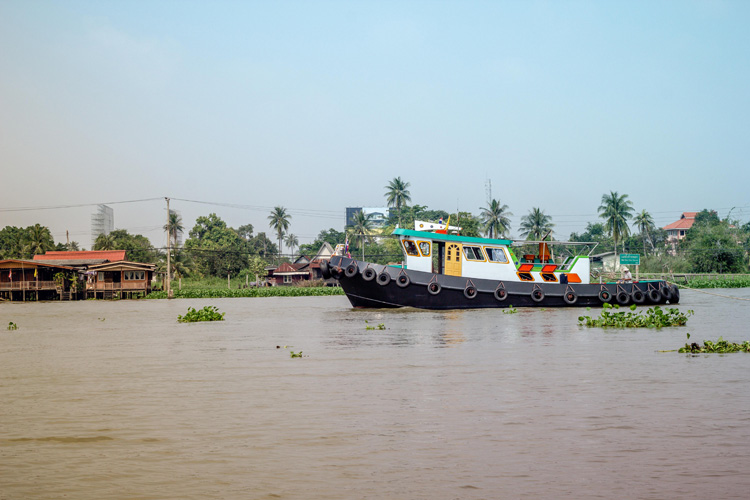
{"x":655,"y":317}
{"x":276,"y":291}
{"x":208,"y":313}
{"x":720,"y":346}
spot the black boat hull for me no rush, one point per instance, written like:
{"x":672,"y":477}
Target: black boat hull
{"x":378,"y":286}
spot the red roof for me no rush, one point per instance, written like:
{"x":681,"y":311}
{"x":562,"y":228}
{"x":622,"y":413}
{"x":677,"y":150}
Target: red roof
{"x":685,"y":222}
{"x":110,"y":255}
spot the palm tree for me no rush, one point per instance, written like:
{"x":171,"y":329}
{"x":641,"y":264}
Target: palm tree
{"x":644,"y":222}
{"x":280,"y":223}
{"x":362,"y":227}
{"x":291,"y":241}
{"x":38,"y":240}
{"x":495,"y":219}
{"x":397,"y":195}
{"x":616,"y":209}
{"x":536,"y":225}
{"x":174,"y":227}
{"x":104,"y":242}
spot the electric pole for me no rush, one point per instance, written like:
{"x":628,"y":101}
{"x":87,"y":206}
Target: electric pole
{"x":169,"y":252}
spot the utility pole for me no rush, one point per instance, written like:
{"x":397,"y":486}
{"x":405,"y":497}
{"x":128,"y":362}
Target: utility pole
{"x":169,"y":260}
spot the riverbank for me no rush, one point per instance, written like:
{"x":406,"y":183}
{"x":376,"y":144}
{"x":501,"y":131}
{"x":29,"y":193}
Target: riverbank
{"x":273,"y":291}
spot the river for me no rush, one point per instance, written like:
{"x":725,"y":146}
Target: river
{"x":118,"y":400}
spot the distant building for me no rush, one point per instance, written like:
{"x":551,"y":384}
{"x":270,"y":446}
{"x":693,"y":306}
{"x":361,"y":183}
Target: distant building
{"x":676,"y":230}
{"x":379,"y":215}
{"x":102,"y":222}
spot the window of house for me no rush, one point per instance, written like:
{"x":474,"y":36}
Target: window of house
{"x":287,"y":279}
{"x":496,"y":255}
{"x":135,"y":275}
{"x":100,"y":276}
{"x":473,"y":253}
{"x":411,"y":248}
{"x":424,"y":247}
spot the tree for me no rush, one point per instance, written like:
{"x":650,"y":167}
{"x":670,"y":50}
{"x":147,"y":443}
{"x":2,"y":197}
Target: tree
{"x":536,"y":225}
{"x":105,"y":242}
{"x":291,"y":242}
{"x":280,"y":223}
{"x":330,"y":236}
{"x":12,"y":242}
{"x":174,"y":227}
{"x":362,"y":227}
{"x":137,"y":247}
{"x":495,"y":219}
{"x":645,"y":223}
{"x":38,"y":240}
{"x":714,"y":248}
{"x":216,"y":248}
{"x":616,"y":209}
{"x":397,"y":194}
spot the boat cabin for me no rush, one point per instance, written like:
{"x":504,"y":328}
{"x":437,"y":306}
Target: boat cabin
{"x":451,"y":254}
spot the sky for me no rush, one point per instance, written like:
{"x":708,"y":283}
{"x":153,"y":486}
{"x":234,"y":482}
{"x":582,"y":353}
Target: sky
{"x":235,"y":107}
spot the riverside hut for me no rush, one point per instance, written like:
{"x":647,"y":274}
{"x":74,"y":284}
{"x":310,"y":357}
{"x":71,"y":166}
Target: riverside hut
{"x":22,"y":280}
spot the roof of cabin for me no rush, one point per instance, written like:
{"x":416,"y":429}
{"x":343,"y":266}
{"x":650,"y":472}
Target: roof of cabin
{"x":449,"y":237}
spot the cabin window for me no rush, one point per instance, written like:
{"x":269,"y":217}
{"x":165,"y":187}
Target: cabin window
{"x":424,"y":247}
{"x":287,"y":279}
{"x":473,"y":253}
{"x":411,"y":248}
{"x":100,"y":276}
{"x":496,"y":255}
{"x":525,"y":276}
{"x":549,"y":277}
{"x":135,"y":275}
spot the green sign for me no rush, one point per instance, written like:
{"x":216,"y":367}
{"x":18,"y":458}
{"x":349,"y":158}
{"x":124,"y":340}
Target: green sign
{"x":630,"y":259}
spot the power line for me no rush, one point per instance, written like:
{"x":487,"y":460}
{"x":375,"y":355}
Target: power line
{"x":58,"y":207}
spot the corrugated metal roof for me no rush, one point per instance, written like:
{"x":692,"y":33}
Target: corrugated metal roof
{"x":100,"y":255}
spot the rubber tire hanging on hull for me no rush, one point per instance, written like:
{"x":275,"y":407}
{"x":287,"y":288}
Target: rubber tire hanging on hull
{"x":384,"y":278}
{"x":622,"y":298}
{"x":675,"y":295}
{"x":369,"y":274}
{"x":500,"y":293}
{"x":570,"y":297}
{"x":325,"y":270}
{"x":351,"y":270}
{"x":336,"y":272}
{"x":537,"y":295}
{"x":434,"y":288}
{"x":638,"y":296}
{"x":403,"y":280}
{"x":654,"y":296}
{"x":470,"y":292}
{"x":605,"y":296}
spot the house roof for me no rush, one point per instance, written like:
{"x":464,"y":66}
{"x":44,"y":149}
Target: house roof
{"x":289,"y":269}
{"x":686,"y":221}
{"x":123,"y":265}
{"x":100,"y":255}
{"x":29,"y":264}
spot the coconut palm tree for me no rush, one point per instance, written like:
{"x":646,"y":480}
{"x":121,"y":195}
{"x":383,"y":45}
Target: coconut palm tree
{"x":397,"y":195}
{"x":280,"y":223}
{"x":495,"y":219}
{"x":38,"y":240}
{"x":616,"y":209}
{"x":361,"y":227}
{"x":291,"y":242}
{"x":174,"y":227}
{"x":104,"y":242}
{"x":644,"y":222}
{"x":536,"y":225}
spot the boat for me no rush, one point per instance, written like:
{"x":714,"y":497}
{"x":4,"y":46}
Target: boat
{"x":445,"y":270}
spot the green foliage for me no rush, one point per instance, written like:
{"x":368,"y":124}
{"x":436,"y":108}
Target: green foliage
{"x":330,"y":236}
{"x":24,"y":243}
{"x":712,"y":247}
{"x":380,"y":326}
{"x":495,"y":219}
{"x":276,"y":291}
{"x":720,"y":346}
{"x":655,"y":317}
{"x":12,"y":326}
{"x":215,"y":248}
{"x":724,"y":282}
{"x":138,"y":248}
{"x":293,"y":354}
{"x":616,"y":209}
{"x":536,"y":225}
{"x":208,"y":313}
{"x":510,"y":310}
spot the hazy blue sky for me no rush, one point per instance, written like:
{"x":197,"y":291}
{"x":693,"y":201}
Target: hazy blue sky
{"x":316,"y":106}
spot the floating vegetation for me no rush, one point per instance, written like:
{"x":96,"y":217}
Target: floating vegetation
{"x":272,"y":291}
{"x":208,"y":313}
{"x":729,"y":281}
{"x":293,"y":354}
{"x":12,"y":326}
{"x":720,"y":346}
{"x":380,"y":326}
{"x":655,"y":317}
{"x":510,"y":310}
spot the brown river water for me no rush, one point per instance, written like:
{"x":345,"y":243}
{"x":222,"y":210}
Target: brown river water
{"x":116,"y":400}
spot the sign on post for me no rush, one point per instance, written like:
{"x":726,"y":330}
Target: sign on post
{"x":630,"y":259}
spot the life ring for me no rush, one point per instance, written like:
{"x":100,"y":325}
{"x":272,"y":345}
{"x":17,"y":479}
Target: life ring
{"x":434,"y":288}
{"x":654,"y":296}
{"x":336,"y":272}
{"x":604,"y":295}
{"x":675,"y":295}
{"x":470,"y":292}
{"x":369,"y":274}
{"x":384,"y":278}
{"x":500,"y":293}
{"x":403,"y":280}
{"x":570,"y":297}
{"x":638,"y":296}
{"x":325,"y":271}
{"x":622,"y":297}
{"x":351,"y":270}
{"x":666,"y":291}
{"x":537,"y":295}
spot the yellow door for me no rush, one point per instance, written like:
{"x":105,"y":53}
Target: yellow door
{"x":453,"y":259}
